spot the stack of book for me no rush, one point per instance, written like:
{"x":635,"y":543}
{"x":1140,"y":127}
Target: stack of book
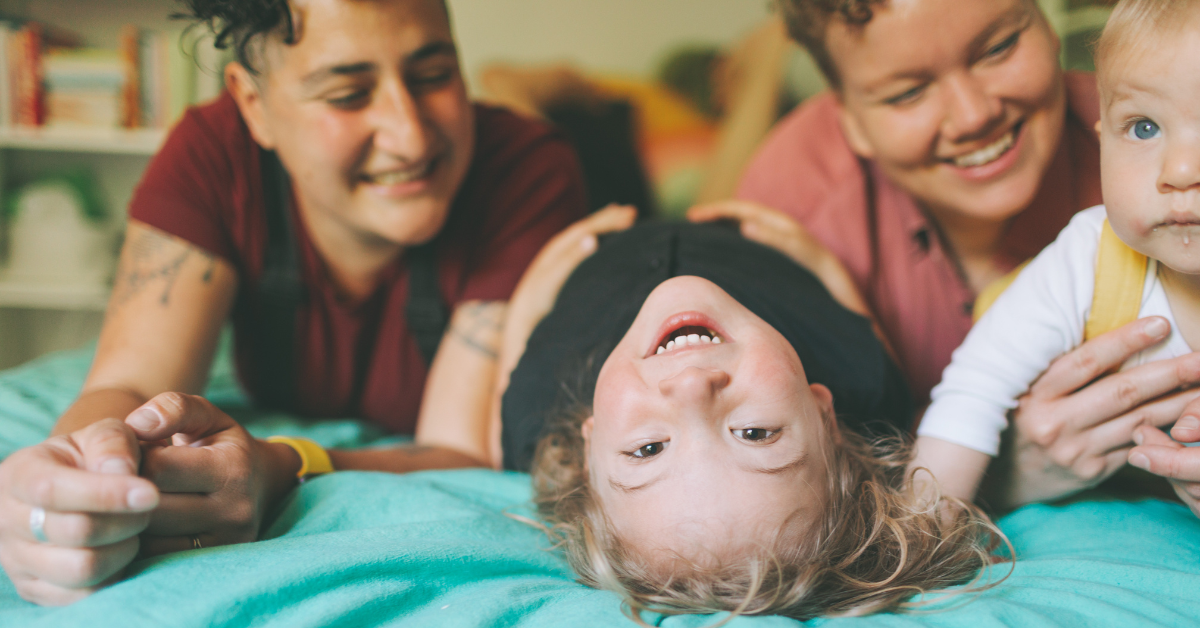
{"x":47,"y":78}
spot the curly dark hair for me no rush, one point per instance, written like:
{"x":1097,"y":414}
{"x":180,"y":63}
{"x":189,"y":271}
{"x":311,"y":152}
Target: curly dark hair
{"x":808,"y":20}
{"x":236,"y":23}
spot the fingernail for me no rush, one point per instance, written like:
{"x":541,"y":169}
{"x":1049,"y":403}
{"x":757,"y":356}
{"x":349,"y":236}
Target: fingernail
{"x":1140,"y":461}
{"x":144,"y":419}
{"x":116,"y":466}
{"x":1188,"y":423}
{"x":588,"y":243}
{"x":142,"y":498}
{"x":1157,"y":328}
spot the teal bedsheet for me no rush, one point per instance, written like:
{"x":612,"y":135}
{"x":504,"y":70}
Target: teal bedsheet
{"x":440,"y":549}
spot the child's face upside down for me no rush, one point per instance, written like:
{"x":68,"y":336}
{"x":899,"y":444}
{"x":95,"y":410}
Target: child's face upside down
{"x":699,"y":449}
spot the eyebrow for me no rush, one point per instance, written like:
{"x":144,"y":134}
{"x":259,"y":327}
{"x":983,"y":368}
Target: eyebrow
{"x":431,"y":49}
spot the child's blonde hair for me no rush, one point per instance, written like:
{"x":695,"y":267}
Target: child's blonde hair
{"x":876,"y":545}
{"x":1135,"y":23}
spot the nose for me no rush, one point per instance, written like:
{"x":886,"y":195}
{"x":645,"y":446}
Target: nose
{"x":400,"y":128}
{"x":694,"y":385}
{"x":971,"y":112}
{"x":1181,"y":166}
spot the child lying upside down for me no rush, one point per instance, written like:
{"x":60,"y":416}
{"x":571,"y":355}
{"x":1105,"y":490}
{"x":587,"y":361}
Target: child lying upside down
{"x":1146,"y":236}
{"x":676,"y":410}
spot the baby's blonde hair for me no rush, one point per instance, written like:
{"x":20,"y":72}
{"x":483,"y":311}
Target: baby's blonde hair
{"x":1134,"y":24}
{"x":876,"y":545}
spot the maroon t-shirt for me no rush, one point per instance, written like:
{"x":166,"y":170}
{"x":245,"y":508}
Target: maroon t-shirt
{"x":205,"y":186}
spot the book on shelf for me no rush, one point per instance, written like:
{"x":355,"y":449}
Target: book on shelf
{"x":147,"y":81}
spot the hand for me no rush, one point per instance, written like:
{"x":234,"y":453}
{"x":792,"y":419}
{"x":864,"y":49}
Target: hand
{"x":1163,"y":456}
{"x":1070,"y":432}
{"x":95,"y":505}
{"x":216,"y":480}
{"x":539,"y":286}
{"x":773,"y":228}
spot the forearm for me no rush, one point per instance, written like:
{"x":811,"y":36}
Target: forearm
{"x":402,"y":459}
{"x":97,"y":405}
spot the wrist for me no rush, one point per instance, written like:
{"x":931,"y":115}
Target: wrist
{"x":283,"y":466}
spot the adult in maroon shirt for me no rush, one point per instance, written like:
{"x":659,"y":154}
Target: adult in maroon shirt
{"x":365,"y":107}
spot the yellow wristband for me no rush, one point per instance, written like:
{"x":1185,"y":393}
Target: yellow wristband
{"x":314,"y":460}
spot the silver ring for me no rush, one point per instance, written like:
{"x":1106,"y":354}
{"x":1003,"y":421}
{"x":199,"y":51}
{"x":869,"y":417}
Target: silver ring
{"x":196,"y":543}
{"x":37,"y":524}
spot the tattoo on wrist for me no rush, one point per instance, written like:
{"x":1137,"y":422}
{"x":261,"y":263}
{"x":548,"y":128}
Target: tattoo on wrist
{"x":478,"y":324}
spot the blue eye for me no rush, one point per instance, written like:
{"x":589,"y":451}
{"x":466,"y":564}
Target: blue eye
{"x":1145,"y":129}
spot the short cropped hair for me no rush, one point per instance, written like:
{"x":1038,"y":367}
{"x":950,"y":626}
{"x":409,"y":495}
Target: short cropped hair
{"x":1136,"y":23}
{"x":808,"y":23}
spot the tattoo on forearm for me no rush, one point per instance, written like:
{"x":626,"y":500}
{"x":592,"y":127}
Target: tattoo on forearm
{"x":153,"y":258}
{"x":478,"y":324}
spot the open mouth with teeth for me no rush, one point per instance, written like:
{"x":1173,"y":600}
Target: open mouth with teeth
{"x":991,"y":152}
{"x":400,"y":177}
{"x":687,"y":336}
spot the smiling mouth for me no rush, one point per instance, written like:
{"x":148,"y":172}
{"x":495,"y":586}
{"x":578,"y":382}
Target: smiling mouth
{"x":400,"y":177}
{"x":989,"y":153}
{"x":688,"y":336}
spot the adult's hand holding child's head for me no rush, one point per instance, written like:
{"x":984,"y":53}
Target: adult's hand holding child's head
{"x":216,"y":480}
{"x":94,"y":507}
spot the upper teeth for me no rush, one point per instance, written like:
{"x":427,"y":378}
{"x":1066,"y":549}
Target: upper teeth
{"x":399,"y":176}
{"x":690,"y":339}
{"x":987,"y":154}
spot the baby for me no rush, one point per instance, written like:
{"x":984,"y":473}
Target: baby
{"x":1144,"y":241}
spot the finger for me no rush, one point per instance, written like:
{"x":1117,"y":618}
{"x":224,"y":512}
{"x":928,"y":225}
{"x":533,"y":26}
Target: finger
{"x":43,"y":480}
{"x":75,"y":568}
{"x":80,"y":530}
{"x":185,"y":469}
{"x":1187,"y":428}
{"x":1117,"y":394}
{"x":108,"y":446}
{"x":159,"y":545}
{"x":43,"y":593}
{"x":1160,"y":455}
{"x":611,"y":218}
{"x":183,"y":514}
{"x":173,"y":413}
{"x":1118,"y":432}
{"x":1100,"y":355}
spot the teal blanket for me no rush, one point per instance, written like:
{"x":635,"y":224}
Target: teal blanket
{"x":440,"y":549}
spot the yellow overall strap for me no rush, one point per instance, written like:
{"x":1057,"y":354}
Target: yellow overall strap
{"x":988,"y":295}
{"x":1120,"y":278}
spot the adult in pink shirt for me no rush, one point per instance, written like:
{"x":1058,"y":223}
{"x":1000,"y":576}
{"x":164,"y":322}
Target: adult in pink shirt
{"x":950,"y":149}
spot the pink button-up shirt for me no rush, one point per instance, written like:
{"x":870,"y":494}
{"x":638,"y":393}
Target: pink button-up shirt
{"x":806,"y":168}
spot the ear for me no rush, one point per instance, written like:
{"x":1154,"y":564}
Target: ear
{"x":853,"y":131}
{"x":825,"y":404}
{"x":246,"y":92}
{"x":586,"y":429}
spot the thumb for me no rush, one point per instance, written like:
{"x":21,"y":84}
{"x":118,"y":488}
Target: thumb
{"x":174,"y":413}
{"x":110,"y":447}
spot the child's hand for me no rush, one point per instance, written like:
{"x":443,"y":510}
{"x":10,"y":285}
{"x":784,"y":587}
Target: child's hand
{"x":1159,"y":454}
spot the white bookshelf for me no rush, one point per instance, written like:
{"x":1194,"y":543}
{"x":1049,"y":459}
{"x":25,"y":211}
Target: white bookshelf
{"x":144,"y":142}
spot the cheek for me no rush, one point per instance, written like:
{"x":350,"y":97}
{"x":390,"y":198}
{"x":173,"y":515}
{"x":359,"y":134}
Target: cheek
{"x":618,"y":392}
{"x":904,"y":137}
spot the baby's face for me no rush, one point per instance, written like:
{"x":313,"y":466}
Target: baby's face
{"x":704,"y":448}
{"x":1150,"y":147}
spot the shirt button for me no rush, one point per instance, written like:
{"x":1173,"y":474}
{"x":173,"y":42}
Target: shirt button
{"x":656,"y":263}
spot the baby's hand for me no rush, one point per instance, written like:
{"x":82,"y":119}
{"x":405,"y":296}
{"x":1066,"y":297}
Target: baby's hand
{"x":1167,"y":456}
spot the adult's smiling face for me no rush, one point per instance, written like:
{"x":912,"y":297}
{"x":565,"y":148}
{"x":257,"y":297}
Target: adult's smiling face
{"x":368,"y":111}
{"x":960,"y":102}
